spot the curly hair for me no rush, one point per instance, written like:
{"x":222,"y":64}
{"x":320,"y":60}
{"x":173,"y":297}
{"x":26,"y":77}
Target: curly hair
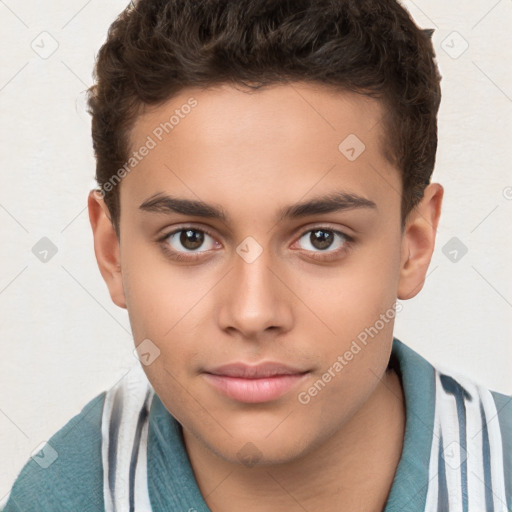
{"x":156,"y":48}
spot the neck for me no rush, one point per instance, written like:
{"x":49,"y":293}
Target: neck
{"x":353,"y":470}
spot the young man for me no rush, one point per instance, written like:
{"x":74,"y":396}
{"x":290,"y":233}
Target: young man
{"x":264,"y":200}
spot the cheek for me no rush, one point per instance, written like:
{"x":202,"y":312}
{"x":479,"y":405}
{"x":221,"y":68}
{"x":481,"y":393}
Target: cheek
{"x":158,"y":295}
{"x":354,"y":295}
{"x":358,"y":305}
{"x":166,"y":305}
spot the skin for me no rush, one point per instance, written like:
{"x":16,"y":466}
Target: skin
{"x":253,"y":154}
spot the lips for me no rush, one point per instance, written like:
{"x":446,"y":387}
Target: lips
{"x":259,"y":371}
{"x":254,"y":384}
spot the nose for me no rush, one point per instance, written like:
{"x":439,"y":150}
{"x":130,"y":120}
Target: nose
{"x":256,"y":299}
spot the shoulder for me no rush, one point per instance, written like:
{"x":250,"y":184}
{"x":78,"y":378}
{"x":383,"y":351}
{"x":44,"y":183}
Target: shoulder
{"x":477,"y":421}
{"x":67,"y":473}
{"x":467,"y":428}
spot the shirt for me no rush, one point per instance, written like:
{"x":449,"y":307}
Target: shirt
{"x":125,"y":452}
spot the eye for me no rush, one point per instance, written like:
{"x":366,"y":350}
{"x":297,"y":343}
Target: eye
{"x":185,"y":242}
{"x":325,"y":240}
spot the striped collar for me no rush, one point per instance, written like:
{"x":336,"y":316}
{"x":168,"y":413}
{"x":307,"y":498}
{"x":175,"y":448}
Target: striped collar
{"x":147,"y":469}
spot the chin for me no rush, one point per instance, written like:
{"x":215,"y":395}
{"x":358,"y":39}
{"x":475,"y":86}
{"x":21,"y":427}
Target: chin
{"x":258,"y":448}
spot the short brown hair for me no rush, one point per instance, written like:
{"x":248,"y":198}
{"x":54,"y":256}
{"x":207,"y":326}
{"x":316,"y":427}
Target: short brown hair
{"x":156,"y":48}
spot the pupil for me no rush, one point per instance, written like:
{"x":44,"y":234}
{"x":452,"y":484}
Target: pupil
{"x":321,"y":239}
{"x":191,"y":239}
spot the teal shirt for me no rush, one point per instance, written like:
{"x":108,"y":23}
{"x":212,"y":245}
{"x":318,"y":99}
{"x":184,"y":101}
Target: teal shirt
{"x":74,"y":482}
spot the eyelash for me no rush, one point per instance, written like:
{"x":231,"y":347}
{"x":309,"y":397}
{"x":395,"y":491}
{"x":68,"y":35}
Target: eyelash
{"x":194,"y":256}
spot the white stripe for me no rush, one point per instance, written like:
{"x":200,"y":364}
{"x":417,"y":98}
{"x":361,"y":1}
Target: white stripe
{"x":446,"y":424}
{"x":475,"y":436}
{"x":133,"y":388}
{"x":475,"y":460}
{"x":451,"y":447}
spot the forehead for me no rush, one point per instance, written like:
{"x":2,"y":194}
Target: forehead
{"x":234,"y":146}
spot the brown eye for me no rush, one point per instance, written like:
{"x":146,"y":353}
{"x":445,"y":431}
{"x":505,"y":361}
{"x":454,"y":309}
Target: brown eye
{"x":321,"y":239}
{"x":325,"y":244}
{"x":189,"y":240}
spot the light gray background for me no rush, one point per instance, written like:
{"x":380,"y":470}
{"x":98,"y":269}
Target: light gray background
{"x":63,"y":340}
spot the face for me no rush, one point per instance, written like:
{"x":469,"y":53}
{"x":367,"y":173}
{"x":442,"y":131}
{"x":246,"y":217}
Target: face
{"x":260,"y":239}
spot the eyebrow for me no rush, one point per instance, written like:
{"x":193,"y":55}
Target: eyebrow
{"x":334,"y":202}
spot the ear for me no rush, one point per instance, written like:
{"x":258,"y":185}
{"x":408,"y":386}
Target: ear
{"x":106,"y":247}
{"x":418,"y":241}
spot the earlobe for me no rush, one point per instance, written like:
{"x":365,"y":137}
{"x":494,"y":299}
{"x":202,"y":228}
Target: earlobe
{"x":106,"y":247}
{"x":418,"y":242}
